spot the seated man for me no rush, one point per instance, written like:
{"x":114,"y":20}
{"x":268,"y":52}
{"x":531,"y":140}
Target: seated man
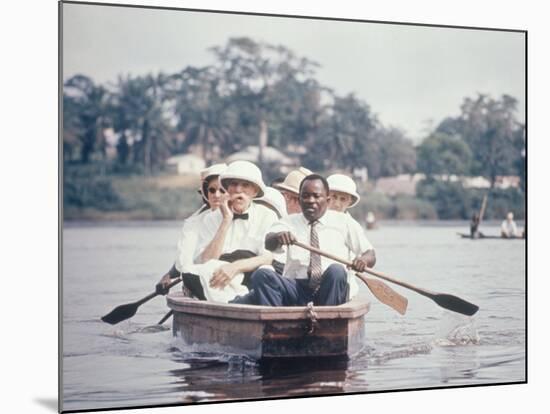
{"x":343,"y":193}
{"x":308,"y":277}
{"x":474,"y":227}
{"x":508,"y":228}
{"x":231,"y":237}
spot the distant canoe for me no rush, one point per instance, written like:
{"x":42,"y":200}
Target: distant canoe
{"x":270,"y":333}
{"x":467,"y":236}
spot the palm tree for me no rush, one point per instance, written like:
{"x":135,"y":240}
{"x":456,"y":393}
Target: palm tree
{"x":142,"y":118}
{"x":201,"y":113}
{"x":86,"y":113}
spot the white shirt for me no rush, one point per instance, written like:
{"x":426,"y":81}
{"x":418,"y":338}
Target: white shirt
{"x":338,"y":233}
{"x":509,"y":228}
{"x":242,"y":234}
{"x":188,"y":241}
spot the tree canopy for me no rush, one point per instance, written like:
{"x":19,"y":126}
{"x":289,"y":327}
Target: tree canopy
{"x":262,"y":94}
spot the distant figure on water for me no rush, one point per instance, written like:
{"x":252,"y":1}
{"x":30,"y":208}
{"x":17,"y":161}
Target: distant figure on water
{"x":508,"y":228}
{"x":371,"y":221}
{"x":474,"y":227}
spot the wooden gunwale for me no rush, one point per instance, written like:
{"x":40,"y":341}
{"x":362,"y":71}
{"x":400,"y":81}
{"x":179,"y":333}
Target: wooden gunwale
{"x":179,"y":303}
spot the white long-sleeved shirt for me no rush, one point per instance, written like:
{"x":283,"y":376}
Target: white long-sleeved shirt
{"x":242,"y":235}
{"x":338,"y":233}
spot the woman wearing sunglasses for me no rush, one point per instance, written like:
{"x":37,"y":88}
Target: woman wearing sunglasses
{"x":213,"y":196}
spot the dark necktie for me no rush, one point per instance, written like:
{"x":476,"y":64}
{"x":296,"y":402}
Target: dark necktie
{"x":315,"y":270}
{"x":240,"y":216}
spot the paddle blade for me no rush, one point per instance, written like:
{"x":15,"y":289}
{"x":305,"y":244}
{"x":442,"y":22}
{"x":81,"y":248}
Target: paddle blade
{"x":455,"y":304}
{"x":120,"y":313}
{"x":385,"y":294}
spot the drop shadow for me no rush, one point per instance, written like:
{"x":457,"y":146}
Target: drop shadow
{"x":49,"y":403}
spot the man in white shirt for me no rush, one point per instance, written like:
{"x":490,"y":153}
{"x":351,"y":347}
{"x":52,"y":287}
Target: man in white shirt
{"x":508,"y":228}
{"x":236,"y":230}
{"x":308,"y":277}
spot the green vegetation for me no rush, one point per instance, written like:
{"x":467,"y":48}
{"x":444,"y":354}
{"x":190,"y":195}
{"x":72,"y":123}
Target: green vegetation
{"x":452,"y":201}
{"x":116,"y":138}
{"x":87,"y":195}
{"x":399,"y":207}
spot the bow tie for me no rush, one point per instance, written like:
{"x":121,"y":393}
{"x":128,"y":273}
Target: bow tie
{"x":240,"y":216}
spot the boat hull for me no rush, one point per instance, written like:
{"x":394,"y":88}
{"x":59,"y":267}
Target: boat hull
{"x":264,"y":333}
{"x":467,"y":236}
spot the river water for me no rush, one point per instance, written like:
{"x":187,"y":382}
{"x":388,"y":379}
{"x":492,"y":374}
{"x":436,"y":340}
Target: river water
{"x":136,"y":363}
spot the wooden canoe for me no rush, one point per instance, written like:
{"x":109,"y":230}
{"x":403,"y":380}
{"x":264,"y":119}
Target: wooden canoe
{"x":269,"y":333}
{"x":489,"y":237}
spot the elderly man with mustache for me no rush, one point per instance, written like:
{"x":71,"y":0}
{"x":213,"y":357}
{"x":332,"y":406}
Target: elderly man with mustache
{"x":231,"y":239}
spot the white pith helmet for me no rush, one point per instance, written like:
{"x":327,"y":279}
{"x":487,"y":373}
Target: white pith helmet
{"x":244,"y":171}
{"x":292,"y":180}
{"x":274,"y":199}
{"x":213,"y":170}
{"x":344,"y":184}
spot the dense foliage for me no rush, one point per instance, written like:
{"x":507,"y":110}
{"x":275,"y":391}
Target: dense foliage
{"x":265,"y":95}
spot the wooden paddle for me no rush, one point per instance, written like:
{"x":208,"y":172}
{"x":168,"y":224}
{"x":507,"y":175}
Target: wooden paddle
{"x":379,"y":289}
{"x":123,"y":312}
{"x":165,"y":317}
{"x":446,"y":301}
{"x":482,"y":209}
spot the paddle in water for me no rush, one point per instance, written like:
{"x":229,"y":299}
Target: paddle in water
{"x":123,"y":312}
{"x":446,"y":301}
{"x":380,"y":290}
{"x":385,"y":294}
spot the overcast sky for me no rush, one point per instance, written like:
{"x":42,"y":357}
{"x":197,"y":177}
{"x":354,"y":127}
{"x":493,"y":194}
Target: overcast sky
{"x":408,"y":75}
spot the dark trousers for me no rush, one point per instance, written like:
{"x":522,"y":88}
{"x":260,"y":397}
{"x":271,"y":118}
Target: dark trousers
{"x":271,"y":289}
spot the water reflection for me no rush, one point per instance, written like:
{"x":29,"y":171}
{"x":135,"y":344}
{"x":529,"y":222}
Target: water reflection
{"x":206,"y":377}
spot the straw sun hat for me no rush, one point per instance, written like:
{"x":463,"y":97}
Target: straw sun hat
{"x":292,"y":180}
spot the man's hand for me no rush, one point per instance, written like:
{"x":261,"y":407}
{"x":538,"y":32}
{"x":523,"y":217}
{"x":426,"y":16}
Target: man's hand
{"x":285,"y":238}
{"x":162,"y":286}
{"x":359,"y":264}
{"x":227,"y":213}
{"x":223,"y":276}
{"x":367,"y":259}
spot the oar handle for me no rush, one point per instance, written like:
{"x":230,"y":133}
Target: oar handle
{"x":367,"y":270}
{"x":322,"y":253}
{"x":152,"y":295}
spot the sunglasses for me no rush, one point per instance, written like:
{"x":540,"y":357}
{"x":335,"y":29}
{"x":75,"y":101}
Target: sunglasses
{"x":213,"y":190}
